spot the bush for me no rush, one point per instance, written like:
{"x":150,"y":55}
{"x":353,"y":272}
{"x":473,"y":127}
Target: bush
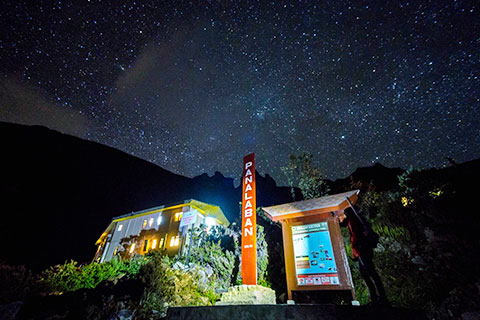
{"x":165,"y":286}
{"x":71,"y":277}
{"x":213,"y":254}
{"x":62,"y":278}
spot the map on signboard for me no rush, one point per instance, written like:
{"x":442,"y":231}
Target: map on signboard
{"x":314,"y":259}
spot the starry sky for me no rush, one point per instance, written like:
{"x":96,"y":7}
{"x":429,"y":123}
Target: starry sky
{"x":194,"y":86}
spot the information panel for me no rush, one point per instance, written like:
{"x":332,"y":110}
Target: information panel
{"x":314,"y":259}
{"x":188,"y":218}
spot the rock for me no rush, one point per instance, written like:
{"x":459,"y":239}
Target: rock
{"x":474,"y":315}
{"x":180,"y":266}
{"x":123,"y":314}
{"x":247,"y":294}
{"x":9,"y":311}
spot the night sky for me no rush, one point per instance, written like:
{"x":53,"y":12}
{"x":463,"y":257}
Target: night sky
{"x":195,"y":86}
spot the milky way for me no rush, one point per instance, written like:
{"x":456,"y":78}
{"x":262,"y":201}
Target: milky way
{"x":193,"y":87}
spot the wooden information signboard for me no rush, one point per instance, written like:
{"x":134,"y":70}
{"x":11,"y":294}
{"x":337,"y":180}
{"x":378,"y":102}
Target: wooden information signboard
{"x":315,"y":257}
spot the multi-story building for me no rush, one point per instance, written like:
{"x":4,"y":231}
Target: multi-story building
{"x":159,"y":228}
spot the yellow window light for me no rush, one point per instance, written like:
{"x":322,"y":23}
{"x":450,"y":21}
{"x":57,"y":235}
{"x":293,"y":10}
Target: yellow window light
{"x":144,"y":224}
{"x":160,"y":246}
{"x":115,"y":252}
{"x":178,"y":216}
{"x":132,"y":247}
{"x":174,"y":241}
{"x":159,"y":219}
{"x":154,"y":243}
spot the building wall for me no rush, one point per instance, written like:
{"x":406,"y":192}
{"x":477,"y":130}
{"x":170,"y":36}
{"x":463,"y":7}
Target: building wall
{"x":166,"y":230}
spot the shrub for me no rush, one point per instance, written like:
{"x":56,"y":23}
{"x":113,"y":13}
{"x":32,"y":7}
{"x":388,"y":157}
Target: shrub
{"x":165,"y":286}
{"x":214,"y":254}
{"x":62,"y":278}
{"x":71,"y":277}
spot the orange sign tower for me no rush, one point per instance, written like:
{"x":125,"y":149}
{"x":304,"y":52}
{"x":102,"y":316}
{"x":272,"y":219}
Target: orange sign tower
{"x":249,"y":222}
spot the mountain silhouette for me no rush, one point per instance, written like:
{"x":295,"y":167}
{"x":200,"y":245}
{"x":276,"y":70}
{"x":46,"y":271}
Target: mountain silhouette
{"x":60,"y":192}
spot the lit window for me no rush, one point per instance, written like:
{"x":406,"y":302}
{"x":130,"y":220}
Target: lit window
{"x":150,"y":222}
{"x":154,"y":243}
{"x":210,"y":222}
{"x":132,"y":247}
{"x":145,"y":245}
{"x":144,"y":224}
{"x":120,"y":227}
{"x":178,"y":216}
{"x":160,"y":246}
{"x":115,"y":252}
{"x":159,"y":220}
{"x":174,"y":241}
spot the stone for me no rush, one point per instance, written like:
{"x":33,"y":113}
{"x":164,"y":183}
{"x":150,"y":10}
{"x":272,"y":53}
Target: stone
{"x":10,"y":311}
{"x":123,"y":314}
{"x":247,"y":294}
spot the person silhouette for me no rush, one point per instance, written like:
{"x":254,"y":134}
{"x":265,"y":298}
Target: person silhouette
{"x":363,"y":240}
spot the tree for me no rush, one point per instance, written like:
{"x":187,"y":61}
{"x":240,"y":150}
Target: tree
{"x":302,"y":173}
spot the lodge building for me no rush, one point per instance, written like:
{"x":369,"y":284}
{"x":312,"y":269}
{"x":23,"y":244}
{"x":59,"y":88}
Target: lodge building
{"x":156,"y":228}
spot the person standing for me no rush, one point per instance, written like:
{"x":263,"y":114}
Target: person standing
{"x":363,"y":240}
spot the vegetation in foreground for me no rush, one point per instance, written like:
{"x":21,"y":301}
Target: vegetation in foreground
{"x":143,"y":286}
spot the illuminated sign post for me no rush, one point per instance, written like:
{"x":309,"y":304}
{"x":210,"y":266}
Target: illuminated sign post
{"x":249,"y":222}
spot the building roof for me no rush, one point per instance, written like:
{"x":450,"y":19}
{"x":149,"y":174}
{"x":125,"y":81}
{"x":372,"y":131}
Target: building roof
{"x":204,"y":208}
{"x":311,"y":207}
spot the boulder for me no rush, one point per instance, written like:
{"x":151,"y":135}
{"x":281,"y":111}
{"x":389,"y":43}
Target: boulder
{"x":247,"y":294}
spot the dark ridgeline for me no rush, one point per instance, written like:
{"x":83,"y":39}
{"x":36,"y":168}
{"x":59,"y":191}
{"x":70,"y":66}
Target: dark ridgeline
{"x":59,"y":192}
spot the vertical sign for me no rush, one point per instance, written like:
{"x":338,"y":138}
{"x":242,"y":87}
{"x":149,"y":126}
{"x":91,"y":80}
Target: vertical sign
{"x":249,"y":222}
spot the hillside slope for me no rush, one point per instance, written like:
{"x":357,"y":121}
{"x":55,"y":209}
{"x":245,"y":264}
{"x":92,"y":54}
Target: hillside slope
{"x":59,"y":193}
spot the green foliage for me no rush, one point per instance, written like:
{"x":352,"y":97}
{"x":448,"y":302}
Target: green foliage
{"x":71,"y":277}
{"x":264,"y":283}
{"x":62,"y":277}
{"x":421,"y":228}
{"x":270,"y":241}
{"x":301,"y":172}
{"x":393,"y":232}
{"x":94,"y":273}
{"x":166,"y":286}
{"x":404,"y":181}
{"x":214,"y":253}
{"x":403,"y":279}
{"x":262,"y":256}
{"x":131,"y":267}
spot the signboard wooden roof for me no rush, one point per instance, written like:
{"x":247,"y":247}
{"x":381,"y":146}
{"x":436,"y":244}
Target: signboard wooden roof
{"x":311,"y":207}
